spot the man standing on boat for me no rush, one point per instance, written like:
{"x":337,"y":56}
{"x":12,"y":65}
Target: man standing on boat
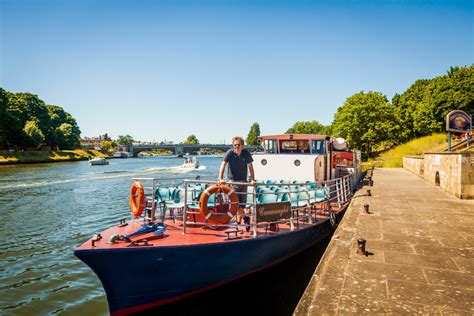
{"x":239,"y":161}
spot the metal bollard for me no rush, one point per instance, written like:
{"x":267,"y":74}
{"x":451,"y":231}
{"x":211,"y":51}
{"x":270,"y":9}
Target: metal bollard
{"x":369,"y":193}
{"x":361,"y":247}
{"x":366,"y":208}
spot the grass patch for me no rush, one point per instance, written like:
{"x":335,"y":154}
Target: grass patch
{"x":393,"y":158}
{"x":17,"y":157}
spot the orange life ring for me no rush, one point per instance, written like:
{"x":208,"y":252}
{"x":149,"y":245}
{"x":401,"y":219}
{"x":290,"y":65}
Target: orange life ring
{"x":137,"y":205}
{"x":222,"y":213}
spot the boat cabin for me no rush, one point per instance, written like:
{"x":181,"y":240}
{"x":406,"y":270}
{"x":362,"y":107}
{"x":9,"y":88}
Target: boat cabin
{"x":305,"y":157}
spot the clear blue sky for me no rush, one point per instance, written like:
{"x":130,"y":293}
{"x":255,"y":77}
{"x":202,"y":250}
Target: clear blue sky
{"x":165,"y":69}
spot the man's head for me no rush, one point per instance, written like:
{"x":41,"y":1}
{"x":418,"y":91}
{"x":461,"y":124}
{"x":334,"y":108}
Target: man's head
{"x":238,"y":144}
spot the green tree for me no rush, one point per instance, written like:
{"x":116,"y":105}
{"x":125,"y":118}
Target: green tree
{"x":108,"y":145}
{"x":254,"y":133}
{"x":126,"y":140}
{"x":66,"y":136}
{"x":367,"y":120}
{"x":55,"y":136}
{"x":34,"y":136}
{"x":309,"y":127}
{"x":17,"y":109}
{"x":191,"y":140}
{"x":3,"y":117}
{"x":422,"y":108}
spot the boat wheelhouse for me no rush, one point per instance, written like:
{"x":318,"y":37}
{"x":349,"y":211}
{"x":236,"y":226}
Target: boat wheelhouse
{"x":305,"y":157}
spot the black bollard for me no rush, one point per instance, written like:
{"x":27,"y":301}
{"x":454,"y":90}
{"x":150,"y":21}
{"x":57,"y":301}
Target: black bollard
{"x":361,"y":247}
{"x":369,"y":193}
{"x":366,"y":208}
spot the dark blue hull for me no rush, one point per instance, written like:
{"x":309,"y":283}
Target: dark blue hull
{"x":140,"y":278}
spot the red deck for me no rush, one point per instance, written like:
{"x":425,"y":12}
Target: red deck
{"x":195,"y":234}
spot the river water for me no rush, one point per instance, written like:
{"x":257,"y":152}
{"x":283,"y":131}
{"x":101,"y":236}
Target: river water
{"x":48,"y":209}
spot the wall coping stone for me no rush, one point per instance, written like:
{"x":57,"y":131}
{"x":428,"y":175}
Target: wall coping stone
{"x":451,"y":153}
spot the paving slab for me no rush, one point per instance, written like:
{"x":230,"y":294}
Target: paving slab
{"x":420,"y":253}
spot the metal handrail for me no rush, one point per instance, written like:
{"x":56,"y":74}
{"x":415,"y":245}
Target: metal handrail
{"x":337,"y":191}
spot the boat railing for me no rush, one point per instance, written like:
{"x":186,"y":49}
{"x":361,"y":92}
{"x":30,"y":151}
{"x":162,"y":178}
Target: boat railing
{"x":307,"y":199}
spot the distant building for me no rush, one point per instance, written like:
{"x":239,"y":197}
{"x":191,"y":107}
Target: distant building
{"x":94,"y":142}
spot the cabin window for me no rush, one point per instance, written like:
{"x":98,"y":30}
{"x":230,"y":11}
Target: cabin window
{"x":295,"y":146}
{"x":317,"y":147}
{"x":270,"y":146}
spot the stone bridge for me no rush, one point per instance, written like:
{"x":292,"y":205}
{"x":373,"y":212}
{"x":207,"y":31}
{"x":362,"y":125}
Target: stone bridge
{"x":180,"y":148}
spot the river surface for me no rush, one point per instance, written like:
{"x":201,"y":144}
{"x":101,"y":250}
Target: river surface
{"x":48,"y":209}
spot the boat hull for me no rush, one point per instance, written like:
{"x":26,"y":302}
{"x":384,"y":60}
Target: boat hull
{"x":135,"y":279}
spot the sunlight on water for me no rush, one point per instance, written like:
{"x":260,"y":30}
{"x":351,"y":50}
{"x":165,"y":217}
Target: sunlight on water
{"x":48,"y":209}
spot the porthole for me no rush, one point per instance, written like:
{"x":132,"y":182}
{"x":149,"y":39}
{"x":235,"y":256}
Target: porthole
{"x":264,"y":162}
{"x":297,"y":162}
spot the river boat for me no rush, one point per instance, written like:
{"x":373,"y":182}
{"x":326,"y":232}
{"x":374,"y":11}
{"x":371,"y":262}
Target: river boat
{"x":188,"y":238}
{"x":98,"y":161}
{"x":190,"y":163}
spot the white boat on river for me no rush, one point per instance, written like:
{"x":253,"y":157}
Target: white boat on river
{"x":190,"y":163}
{"x":98,"y":161}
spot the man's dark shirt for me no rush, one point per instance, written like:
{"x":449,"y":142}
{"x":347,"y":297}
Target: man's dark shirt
{"x":237,"y":165}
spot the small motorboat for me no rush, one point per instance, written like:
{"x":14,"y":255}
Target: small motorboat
{"x":190,"y":163}
{"x":98,"y":161}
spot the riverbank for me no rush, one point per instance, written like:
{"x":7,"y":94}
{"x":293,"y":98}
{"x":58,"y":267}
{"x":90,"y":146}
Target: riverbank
{"x":27,"y":157}
{"x":418,"y":253}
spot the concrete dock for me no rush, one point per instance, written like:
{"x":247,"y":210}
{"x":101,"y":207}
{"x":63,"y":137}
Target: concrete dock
{"x":419,"y":253}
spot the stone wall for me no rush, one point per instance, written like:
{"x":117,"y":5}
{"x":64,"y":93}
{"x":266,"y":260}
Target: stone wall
{"x":414,"y":164}
{"x":454,"y":172}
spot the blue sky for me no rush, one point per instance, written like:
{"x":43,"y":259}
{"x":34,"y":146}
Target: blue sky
{"x":165,"y":69}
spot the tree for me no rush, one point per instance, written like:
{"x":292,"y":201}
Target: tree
{"x":254,"y":133}
{"x":20,"y":109}
{"x":66,"y":136}
{"x":34,"y":136}
{"x":308,"y":127}
{"x":126,"y":140}
{"x":191,"y":140}
{"x":108,"y":145}
{"x":3,"y":117}
{"x":367,"y":120}
{"x":422,"y":108}
{"x":55,"y":137}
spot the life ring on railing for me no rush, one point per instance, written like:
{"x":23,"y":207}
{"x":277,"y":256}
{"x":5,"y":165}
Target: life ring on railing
{"x":137,"y":198}
{"x":221,"y":213}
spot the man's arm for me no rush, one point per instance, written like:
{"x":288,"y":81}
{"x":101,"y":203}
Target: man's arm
{"x":221,"y":170}
{"x":252,"y":172}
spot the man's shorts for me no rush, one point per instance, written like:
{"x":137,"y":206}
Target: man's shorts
{"x":241,"y":191}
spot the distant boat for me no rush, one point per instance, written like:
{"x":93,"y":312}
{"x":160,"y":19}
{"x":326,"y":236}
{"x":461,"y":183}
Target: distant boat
{"x":98,"y":161}
{"x":190,"y":163}
{"x":121,"y":154}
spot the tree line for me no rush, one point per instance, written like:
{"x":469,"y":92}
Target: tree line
{"x":371,"y":123}
{"x":26,"y":122}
